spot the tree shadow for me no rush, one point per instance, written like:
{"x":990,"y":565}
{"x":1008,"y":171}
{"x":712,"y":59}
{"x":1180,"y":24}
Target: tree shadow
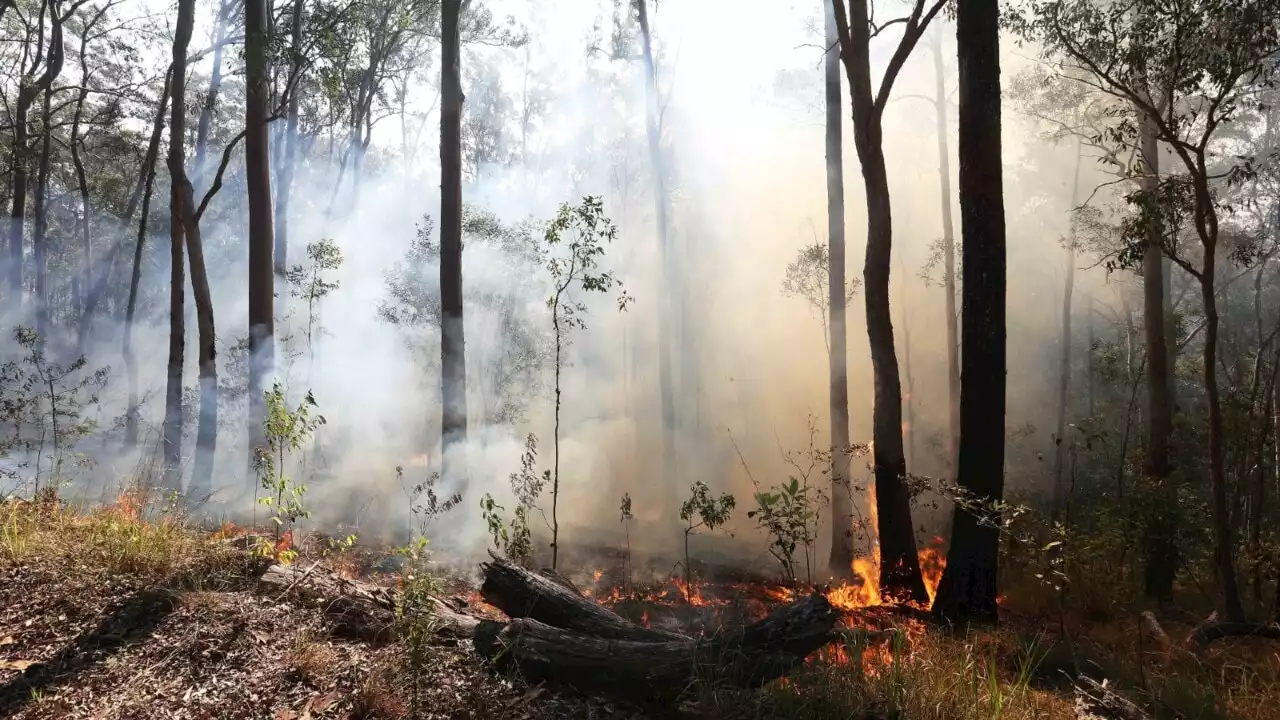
{"x":128,"y":623}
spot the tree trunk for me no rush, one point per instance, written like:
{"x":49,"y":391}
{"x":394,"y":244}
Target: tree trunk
{"x":452,"y":338}
{"x":258,"y":180}
{"x":39,"y":243}
{"x":18,"y":211}
{"x":840,"y":563}
{"x":948,"y":258}
{"x":1224,"y":564}
{"x":1061,"y":443}
{"x":290,"y":154}
{"x":899,"y":563}
{"x":1161,"y":561}
{"x":146,"y":180}
{"x":203,"y":126}
{"x":969,"y":582}
{"x":670,"y":475}
{"x":177,"y":289}
{"x":201,"y":487}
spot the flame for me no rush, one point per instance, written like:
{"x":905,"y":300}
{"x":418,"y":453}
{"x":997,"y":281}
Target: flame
{"x":128,"y":506}
{"x":596,"y":575}
{"x":644,"y":618}
{"x":692,"y":594}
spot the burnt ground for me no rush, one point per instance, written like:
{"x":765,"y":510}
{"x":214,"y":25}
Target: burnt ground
{"x":83,"y":636}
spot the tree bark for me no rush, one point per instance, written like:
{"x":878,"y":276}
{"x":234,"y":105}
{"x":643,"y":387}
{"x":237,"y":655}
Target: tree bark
{"x":968,"y":588}
{"x":39,"y":240}
{"x":948,"y":258}
{"x":146,"y":180}
{"x":30,"y":87}
{"x":201,"y":486}
{"x":258,"y":180}
{"x":670,"y":475}
{"x":1223,"y":551}
{"x":1161,"y":553}
{"x":840,"y":563}
{"x":899,"y":563}
{"x":177,"y":289}
{"x":452,"y":337}
{"x":221,"y":23}
{"x":290,"y":154}
{"x":1061,"y":442}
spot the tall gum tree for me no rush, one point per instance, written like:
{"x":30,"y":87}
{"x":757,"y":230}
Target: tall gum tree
{"x":453,"y":368}
{"x":968,"y":588}
{"x":842,"y":551}
{"x":899,"y":564}
{"x":666,"y":253}
{"x":177,"y":290}
{"x":258,"y":181}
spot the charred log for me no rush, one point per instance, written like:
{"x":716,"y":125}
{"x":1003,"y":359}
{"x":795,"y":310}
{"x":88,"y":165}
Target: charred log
{"x":659,"y":670}
{"x":1212,"y":629}
{"x":520,"y":593}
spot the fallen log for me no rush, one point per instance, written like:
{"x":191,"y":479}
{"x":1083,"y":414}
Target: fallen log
{"x":357,"y":610}
{"x":1099,"y":701}
{"x":520,"y":593}
{"x":647,"y":670}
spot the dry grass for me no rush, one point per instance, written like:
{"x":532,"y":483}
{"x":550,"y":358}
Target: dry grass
{"x":79,"y":585}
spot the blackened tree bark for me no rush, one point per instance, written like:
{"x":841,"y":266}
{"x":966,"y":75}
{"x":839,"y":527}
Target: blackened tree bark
{"x":258,"y":180}
{"x":899,"y":564}
{"x":177,"y":289}
{"x":146,"y":180}
{"x":1161,"y":561}
{"x":948,"y":257}
{"x":840,"y":563}
{"x":969,"y":582}
{"x":452,"y":346}
{"x":666,"y":313}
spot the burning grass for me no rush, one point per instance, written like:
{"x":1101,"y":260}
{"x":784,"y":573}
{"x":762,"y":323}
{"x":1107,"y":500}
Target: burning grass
{"x":128,"y":612}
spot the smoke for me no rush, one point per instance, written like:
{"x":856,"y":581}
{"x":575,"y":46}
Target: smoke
{"x":745,"y":154}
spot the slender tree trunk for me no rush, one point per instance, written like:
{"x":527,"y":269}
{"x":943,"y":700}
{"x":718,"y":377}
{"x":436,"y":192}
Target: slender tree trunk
{"x":948,"y":257}
{"x":201,"y":488}
{"x":290,"y":154}
{"x":1225,"y":565}
{"x":258,"y":180}
{"x":671,"y":477}
{"x":452,"y":338}
{"x":221,"y":24}
{"x":39,"y":242}
{"x":970,"y":581}
{"x":82,"y":221}
{"x":909,"y":397}
{"x":177,"y":286}
{"x":1161,"y":561}
{"x":146,"y":180}
{"x":899,"y":563}
{"x":1061,"y":443}
{"x":18,"y":210}
{"x":840,"y":563}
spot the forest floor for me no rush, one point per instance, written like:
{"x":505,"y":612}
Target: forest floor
{"x":107,"y":614}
